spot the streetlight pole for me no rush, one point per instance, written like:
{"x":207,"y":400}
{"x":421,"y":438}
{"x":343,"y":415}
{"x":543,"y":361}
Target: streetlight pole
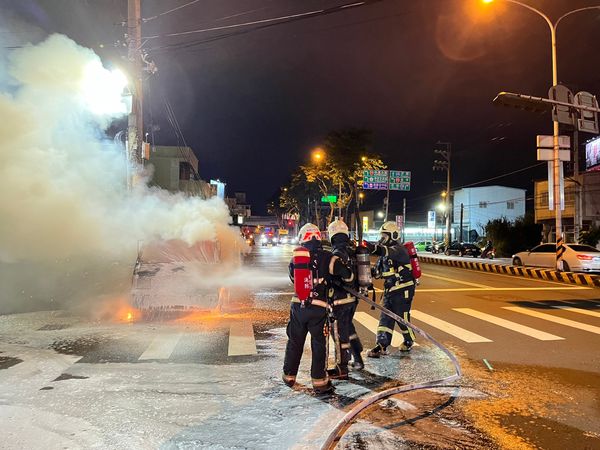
{"x":556,"y":163}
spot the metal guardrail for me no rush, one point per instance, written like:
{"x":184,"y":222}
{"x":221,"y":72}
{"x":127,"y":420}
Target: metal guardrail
{"x":581,"y":279}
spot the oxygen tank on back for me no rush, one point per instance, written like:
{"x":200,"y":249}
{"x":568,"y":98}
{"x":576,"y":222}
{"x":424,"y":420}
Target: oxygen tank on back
{"x":363,"y":267}
{"x":414,"y":259}
{"x":303,"y":278}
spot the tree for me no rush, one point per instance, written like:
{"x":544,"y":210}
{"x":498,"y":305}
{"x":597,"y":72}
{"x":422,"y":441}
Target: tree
{"x":509,"y":238}
{"x":347,"y":153}
{"x":590,"y":237}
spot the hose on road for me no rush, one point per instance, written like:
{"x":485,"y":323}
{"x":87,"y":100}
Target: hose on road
{"x":337,"y":432}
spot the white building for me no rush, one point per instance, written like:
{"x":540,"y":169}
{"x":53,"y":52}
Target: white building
{"x":482,"y":204}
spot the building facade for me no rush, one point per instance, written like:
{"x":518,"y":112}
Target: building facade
{"x":175,"y":169}
{"x":582,"y":206}
{"x":479,"y":205}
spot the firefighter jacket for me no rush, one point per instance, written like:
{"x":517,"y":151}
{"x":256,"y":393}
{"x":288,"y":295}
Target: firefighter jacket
{"x":393,"y":266}
{"x":338,"y":294}
{"x":327,"y":268}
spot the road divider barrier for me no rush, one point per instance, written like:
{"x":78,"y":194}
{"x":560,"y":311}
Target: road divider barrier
{"x":581,"y":279}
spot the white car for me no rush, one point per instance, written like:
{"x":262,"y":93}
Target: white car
{"x":577,"y":257}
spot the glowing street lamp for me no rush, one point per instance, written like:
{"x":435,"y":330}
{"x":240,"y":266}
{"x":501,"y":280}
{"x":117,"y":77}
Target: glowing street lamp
{"x":556,"y":160}
{"x":318,"y":155}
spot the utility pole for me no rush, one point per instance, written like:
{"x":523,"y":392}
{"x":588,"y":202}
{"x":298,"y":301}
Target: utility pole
{"x":446,"y":153}
{"x":462,"y":210}
{"x":387,"y":197}
{"x":403,"y":219}
{"x":135,"y":124}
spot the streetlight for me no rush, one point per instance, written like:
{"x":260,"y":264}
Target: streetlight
{"x":318,"y":155}
{"x":556,"y":160}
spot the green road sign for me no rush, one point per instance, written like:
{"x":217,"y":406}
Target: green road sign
{"x":329,"y":199}
{"x":399,"y":180}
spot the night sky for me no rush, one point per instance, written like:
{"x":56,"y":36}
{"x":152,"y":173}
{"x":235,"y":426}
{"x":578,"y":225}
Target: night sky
{"x":252,"y":105}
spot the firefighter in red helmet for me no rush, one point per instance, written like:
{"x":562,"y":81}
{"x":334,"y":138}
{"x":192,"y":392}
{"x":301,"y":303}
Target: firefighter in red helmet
{"x":309,"y":308}
{"x":394,"y":266}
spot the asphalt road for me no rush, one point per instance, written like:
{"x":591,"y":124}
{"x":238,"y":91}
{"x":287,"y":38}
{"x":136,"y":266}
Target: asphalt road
{"x":211,"y":379}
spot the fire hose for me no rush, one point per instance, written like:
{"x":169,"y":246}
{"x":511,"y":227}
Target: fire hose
{"x":334,"y":436}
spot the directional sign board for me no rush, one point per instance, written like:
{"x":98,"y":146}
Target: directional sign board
{"x":399,"y":180}
{"x":329,"y":199}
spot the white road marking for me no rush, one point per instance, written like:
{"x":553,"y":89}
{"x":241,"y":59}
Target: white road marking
{"x":161,"y":347}
{"x":241,"y":339}
{"x":550,"y":318}
{"x":371,"y":323}
{"x":460,"y":333}
{"x":493,"y":289}
{"x":578,"y":310}
{"x":532,"y":332}
{"x":454,"y":280}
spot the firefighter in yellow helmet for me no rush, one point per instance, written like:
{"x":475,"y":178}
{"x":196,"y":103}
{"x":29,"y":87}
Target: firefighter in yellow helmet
{"x":394,"y":267}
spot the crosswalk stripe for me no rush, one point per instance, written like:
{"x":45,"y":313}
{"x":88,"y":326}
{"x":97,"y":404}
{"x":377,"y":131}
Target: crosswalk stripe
{"x":371,"y":323}
{"x":241,"y":339}
{"x":454,"y":280}
{"x":578,"y":310}
{"x":532,"y":332}
{"x":161,"y":347}
{"x":550,"y":318}
{"x":460,"y":333}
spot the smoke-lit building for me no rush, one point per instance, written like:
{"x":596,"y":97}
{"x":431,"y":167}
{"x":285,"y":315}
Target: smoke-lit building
{"x":176,"y":170}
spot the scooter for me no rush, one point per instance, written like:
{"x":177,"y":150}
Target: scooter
{"x":488,"y":253}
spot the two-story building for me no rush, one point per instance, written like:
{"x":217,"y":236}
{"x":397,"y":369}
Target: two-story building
{"x":479,"y":205}
{"x":175,"y":169}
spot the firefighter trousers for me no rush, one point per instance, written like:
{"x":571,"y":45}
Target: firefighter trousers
{"x":342,"y":329}
{"x":310,"y":319}
{"x":399,"y":302}
{"x":356,"y":346}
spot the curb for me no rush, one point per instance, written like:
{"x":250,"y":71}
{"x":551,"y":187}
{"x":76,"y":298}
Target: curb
{"x":580,"y":279}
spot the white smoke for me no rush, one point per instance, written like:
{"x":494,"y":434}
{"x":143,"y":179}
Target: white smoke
{"x":66,"y":215}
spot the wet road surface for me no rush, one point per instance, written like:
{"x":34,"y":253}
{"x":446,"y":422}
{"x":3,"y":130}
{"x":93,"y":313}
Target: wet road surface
{"x":211,"y":379}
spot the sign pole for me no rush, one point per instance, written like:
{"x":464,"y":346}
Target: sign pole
{"x":387,"y":198}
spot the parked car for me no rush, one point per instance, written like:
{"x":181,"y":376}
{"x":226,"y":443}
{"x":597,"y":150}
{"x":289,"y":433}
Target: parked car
{"x":438,"y":247}
{"x":463,"y":249}
{"x":577,"y":257}
{"x":424,"y":246}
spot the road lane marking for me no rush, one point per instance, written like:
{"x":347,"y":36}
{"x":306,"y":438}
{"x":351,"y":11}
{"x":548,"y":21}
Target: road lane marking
{"x":532,"y":332}
{"x":161,"y":347}
{"x":550,"y":318}
{"x":446,"y":327}
{"x":578,"y":310}
{"x":570,"y":288}
{"x":454,"y":280}
{"x":241,"y":339}
{"x":371,"y":323}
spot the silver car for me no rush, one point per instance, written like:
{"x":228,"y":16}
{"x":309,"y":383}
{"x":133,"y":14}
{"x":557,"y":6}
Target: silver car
{"x":577,"y":257}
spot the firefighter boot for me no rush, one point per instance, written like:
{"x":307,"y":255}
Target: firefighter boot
{"x":339,"y":373}
{"x":377,"y":351}
{"x":324,"y":388}
{"x":289,"y":380}
{"x":355,"y":349}
{"x":406,"y":346}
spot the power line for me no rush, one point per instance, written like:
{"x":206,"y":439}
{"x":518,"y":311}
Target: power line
{"x":501,"y":176}
{"x":262,"y":23}
{"x":170,"y":11}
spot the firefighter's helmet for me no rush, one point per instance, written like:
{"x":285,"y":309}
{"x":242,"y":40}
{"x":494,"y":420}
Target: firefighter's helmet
{"x":337,"y":227}
{"x":391,"y":228}
{"x":308,"y":232}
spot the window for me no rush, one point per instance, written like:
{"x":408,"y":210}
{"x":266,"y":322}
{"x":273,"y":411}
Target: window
{"x":544,"y":248}
{"x":510,"y":205}
{"x":185,"y":170}
{"x":483,"y":204}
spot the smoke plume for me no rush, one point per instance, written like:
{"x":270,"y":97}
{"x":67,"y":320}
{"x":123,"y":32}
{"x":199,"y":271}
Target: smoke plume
{"x":69,"y":226}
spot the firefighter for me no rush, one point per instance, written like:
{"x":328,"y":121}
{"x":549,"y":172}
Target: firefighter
{"x":394,"y":267}
{"x":344,"y":305}
{"x":310,"y":315}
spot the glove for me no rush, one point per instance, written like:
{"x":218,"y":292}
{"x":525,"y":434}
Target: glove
{"x":369,"y":246}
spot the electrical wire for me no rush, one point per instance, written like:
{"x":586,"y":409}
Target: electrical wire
{"x":148,"y":19}
{"x":261,"y":23}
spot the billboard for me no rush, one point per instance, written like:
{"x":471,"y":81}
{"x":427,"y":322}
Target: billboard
{"x":592,"y":154}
